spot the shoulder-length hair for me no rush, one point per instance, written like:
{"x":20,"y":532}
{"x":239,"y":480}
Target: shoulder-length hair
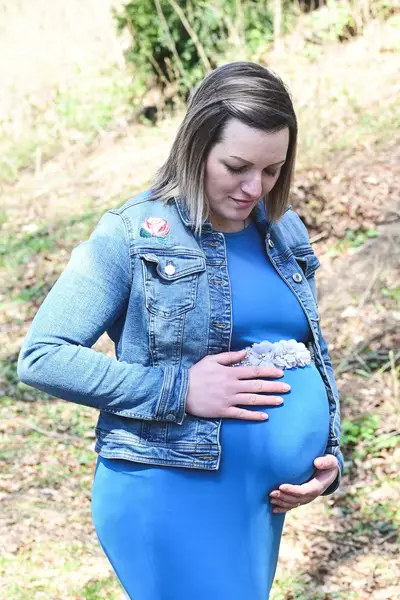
{"x":240,"y":90}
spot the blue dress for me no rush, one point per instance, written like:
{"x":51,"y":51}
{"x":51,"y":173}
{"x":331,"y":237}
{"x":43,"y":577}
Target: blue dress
{"x":178,"y":534}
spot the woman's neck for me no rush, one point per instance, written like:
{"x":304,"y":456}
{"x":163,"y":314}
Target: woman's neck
{"x":228,"y":226}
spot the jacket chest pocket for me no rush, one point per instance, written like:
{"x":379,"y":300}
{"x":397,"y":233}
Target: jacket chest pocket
{"x":171,"y":282}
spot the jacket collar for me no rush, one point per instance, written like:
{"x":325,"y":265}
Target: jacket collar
{"x":183,"y":211}
{"x":185,"y":216}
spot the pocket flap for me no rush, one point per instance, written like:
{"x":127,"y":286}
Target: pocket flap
{"x":172,"y":267}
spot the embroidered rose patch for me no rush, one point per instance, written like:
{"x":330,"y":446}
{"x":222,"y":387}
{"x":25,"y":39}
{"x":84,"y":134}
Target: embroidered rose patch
{"x":155,"y":227}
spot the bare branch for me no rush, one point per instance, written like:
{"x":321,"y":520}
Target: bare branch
{"x":192,"y":33}
{"x":170,"y":38}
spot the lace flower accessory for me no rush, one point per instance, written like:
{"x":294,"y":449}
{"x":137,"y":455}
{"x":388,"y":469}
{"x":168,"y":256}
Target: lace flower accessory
{"x":285,"y":354}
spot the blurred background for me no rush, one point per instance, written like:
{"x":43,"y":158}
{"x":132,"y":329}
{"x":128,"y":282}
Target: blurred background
{"x":92,"y":93}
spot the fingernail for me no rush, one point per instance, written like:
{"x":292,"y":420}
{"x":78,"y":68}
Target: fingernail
{"x":279,"y":372}
{"x":274,"y":494}
{"x":286,"y":387}
{"x":264,"y":416}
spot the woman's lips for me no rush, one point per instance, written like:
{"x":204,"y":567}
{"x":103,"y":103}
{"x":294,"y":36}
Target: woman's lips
{"x":243,"y":203}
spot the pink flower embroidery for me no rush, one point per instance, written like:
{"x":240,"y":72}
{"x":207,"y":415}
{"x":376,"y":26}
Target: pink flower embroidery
{"x":154,"y":227}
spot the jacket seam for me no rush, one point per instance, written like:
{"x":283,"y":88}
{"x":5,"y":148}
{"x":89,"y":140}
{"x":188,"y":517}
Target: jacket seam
{"x":128,"y":235}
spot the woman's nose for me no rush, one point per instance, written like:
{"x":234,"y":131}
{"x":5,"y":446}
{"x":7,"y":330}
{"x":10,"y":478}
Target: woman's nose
{"x":253,"y":187}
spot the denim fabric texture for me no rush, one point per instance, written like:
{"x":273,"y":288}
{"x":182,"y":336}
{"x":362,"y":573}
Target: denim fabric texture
{"x":162,"y":321}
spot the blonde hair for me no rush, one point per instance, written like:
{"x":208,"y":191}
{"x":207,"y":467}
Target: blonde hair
{"x":240,"y":90}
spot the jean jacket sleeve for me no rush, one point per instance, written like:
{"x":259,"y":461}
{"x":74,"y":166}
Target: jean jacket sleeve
{"x":90,"y":295}
{"x":330,"y":449}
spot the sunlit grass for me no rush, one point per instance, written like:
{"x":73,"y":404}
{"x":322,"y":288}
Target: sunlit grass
{"x":76,"y":112}
{"x":55,"y":569}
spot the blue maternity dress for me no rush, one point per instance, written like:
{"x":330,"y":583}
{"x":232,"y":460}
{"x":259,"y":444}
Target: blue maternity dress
{"x":185,"y":534}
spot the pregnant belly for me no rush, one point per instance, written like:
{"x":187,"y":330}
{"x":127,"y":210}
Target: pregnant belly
{"x":283,"y":448}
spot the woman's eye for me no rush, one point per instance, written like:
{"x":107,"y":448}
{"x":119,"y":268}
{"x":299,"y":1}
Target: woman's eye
{"x":235,"y":169}
{"x":243,"y":169}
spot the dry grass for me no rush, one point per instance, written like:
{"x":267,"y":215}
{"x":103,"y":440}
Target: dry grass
{"x":62,"y":73}
{"x":44,"y":45}
{"x":345,"y":95}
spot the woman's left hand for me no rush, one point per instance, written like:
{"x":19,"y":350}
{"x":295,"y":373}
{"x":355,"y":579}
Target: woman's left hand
{"x":292,"y":496}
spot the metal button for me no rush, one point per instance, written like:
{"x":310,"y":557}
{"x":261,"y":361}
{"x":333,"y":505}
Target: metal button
{"x":170,"y":417}
{"x":297,"y":277}
{"x":271,"y":243}
{"x":169,"y":269}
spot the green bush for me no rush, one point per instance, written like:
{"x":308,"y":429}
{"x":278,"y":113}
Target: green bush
{"x":360,"y":430}
{"x":362,"y":438}
{"x":177,"y":41}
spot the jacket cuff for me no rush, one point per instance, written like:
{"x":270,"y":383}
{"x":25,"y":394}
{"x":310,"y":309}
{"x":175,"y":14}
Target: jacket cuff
{"x":335,"y":451}
{"x":172,"y":404}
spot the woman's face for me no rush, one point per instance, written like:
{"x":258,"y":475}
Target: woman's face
{"x":240,"y":170}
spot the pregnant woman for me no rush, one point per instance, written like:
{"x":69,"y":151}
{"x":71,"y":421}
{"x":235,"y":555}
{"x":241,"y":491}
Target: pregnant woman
{"x":202,"y":447}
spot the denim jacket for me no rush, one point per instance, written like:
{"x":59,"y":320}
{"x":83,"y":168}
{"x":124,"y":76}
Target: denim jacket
{"x":162,"y":321}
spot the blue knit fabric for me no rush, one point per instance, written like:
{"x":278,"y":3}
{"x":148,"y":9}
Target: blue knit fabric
{"x":179,"y":534}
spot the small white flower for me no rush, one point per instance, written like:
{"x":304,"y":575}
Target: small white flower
{"x":268,"y":358}
{"x":300,"y":347}
{"x":280,"y":362}
{"x":303,"y":358}
{"x":291,"y":346}
{"x":279,"y":348}
{"x":262,"y":347}
{"x":291,"y":361}
{"x":253,"y":360}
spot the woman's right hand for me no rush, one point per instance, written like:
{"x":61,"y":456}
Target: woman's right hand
{"x":216,"y":390}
